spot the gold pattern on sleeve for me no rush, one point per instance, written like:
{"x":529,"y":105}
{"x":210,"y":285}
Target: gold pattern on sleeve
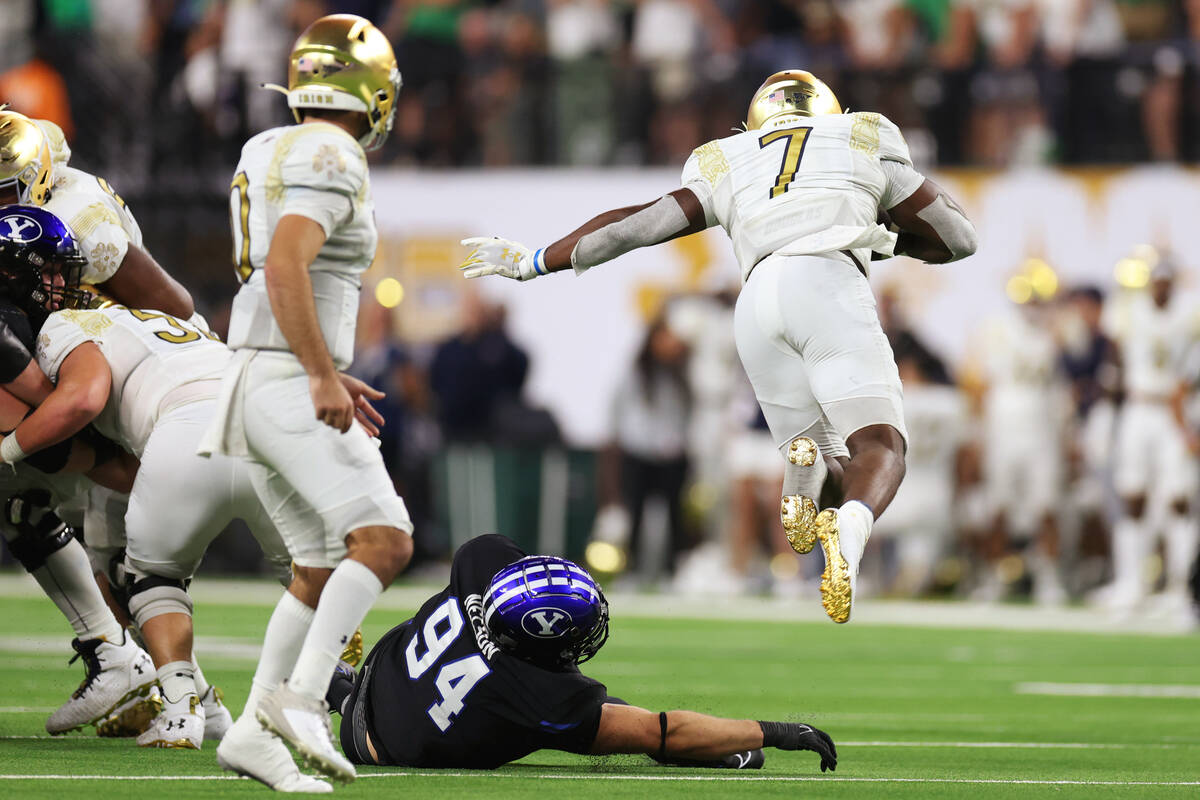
{"x":712,"y":161}
{"x":92,"y":217}
{"x":864,"y":134}
{"x":103,"y":258}
{"x":329,"y":159}
{"x":274,"y":186}
{"x":90,"y":322}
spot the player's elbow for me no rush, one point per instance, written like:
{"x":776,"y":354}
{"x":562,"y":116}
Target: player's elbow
{"x":88,"y":400}
{"x":964,"y":241}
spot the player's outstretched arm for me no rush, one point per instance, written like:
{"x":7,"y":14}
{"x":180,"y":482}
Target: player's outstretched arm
{"x":699,"y":737}
{"x":140,"y":282}
{"x":932,"y":226}
{"x":600,"y":239}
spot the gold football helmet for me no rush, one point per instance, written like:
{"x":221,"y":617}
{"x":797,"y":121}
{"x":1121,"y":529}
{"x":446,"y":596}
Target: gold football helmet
{"x":790,"y":93}
{"x":25,"y":158}
{"x":344,"y":62}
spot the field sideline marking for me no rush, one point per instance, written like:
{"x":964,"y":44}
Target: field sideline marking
{"x":1189,"y":691}
{"x":655,"y":778}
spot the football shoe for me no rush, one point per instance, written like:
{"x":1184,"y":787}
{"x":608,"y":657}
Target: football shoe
{"x":842,"y":556}
{"x":217,"y":718}
{"x":252,"y":752}
{"x":303,"y":723}
{"x":798,"y":511}
{"x":353,"y":652}
{"x":133,"y":717}
{"x":179,"y":726}
{"x":116,"y":677}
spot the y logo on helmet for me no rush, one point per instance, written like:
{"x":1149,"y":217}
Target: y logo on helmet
{"x":20,"y":228}
{"x":546,"y":623}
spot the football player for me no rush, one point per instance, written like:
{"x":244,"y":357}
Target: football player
{"x":149,"y":382}
{"x":304,"y":232}
{"x":800,"y":192}
{"x":487,"y":672}
{"x":34,"y":171}
{"x":1154,"y":473}
{"x":119,"y":674}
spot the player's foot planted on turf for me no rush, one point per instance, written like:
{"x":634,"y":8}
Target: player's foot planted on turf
{"x":116,"y":675}
{"x":180,"y":726}
{"x":251,"y":751}
{"x":303,"y":723}
{"x":217,"y":718}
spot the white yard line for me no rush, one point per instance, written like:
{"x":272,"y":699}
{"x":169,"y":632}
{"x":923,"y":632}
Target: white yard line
{"x":1189,"y":691}
{"x":651,"y":778}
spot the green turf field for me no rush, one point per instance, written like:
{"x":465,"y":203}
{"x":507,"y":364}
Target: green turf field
{"x":916,"y":712}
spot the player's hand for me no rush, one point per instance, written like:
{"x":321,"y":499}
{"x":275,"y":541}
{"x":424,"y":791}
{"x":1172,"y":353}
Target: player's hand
{"x":332,"y":401}
{"x":496,"y":256}
{"x":798,"y":736}
{"x":362,"y":394}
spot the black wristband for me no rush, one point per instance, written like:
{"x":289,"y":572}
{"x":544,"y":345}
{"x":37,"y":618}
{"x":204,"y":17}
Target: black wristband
{"x":662,"y":739}
{"x":774,"y":733}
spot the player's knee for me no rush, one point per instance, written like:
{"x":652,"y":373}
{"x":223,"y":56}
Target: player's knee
{"x":153,"y":595}
{"x":308,"y":583}
{"x":34,"y":532}
{"x":386,"y":551}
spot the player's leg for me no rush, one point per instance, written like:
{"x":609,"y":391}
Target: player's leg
{"x":117,"y":671}
{"x":1178,"y":468}
{"x":366,"y":540}
{"x":1132,"y":464}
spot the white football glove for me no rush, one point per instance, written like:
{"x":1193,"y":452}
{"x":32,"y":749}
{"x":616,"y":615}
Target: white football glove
{"x":496,"y":256}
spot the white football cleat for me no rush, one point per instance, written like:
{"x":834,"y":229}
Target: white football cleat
{"x":217,"y":718}
{"x":250,"y":751}
{"x":117,"y":677}
{"x":179,"y":726}
{"x":303,"y":723}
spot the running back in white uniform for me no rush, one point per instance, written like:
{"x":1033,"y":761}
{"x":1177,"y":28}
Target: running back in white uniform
{"x":815,"y":187}
{"x":800,"y":204}
{"x":318,"y":171}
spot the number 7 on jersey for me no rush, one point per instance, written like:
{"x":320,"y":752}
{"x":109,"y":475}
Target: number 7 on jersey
{"x":796,"y":138}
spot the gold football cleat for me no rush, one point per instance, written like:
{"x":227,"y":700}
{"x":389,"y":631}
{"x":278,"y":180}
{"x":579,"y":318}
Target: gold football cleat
{"x":354,"y":649}
{"x":802,"y":452}
{"x":132,"y":720}
{"x":836,"y":591}
{"x":799,"y":515}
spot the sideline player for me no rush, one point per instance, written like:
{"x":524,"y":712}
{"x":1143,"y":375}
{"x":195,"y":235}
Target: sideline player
{"x":118,"y":674}
{"x":304,"y":232}
{"x":34,"y":171}
{"x":487,"y":672}
{"x":149,"y":382}
{"x":799,"y":192}
{"x":1155,"y":474}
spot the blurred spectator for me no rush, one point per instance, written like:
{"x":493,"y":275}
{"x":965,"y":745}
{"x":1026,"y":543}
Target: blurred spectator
{"x":475,"y":373}
{"x":648,"y":456}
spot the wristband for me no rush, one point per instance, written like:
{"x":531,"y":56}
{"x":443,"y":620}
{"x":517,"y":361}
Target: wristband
{"x":539,"y":262}
{"x":10,"y":449}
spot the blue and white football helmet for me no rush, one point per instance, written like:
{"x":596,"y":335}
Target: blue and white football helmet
{"x":547,"y":610}
{"x":40,"y":261}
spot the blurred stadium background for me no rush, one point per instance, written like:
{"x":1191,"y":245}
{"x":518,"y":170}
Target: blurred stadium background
{"x":606,"y":417}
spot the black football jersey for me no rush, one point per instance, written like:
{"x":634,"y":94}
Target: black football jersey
{"x":436,"y":692}
{"x":16,"y":341}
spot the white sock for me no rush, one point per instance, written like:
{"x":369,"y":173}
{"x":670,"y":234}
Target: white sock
{"x":281,"y":645}
{"x":67,"y":579}
{"x":1128,"y":555}
{"x":202,"y":684}
{"x":1182,"y":538}
{"x":346,"y":599}
{"x":177,"y":682}
{"x":854,"y":528}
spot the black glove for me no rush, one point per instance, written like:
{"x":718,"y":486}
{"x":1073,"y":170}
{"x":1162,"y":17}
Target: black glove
{"x":798,"y":736}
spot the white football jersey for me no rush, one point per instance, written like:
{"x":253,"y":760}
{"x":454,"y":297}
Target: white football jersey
{"x":99,"y":218}
{"x":150,"y":354}
{"x":813,"y":188}
{"x":1153,"y":341}
{"x":318,"y":171}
